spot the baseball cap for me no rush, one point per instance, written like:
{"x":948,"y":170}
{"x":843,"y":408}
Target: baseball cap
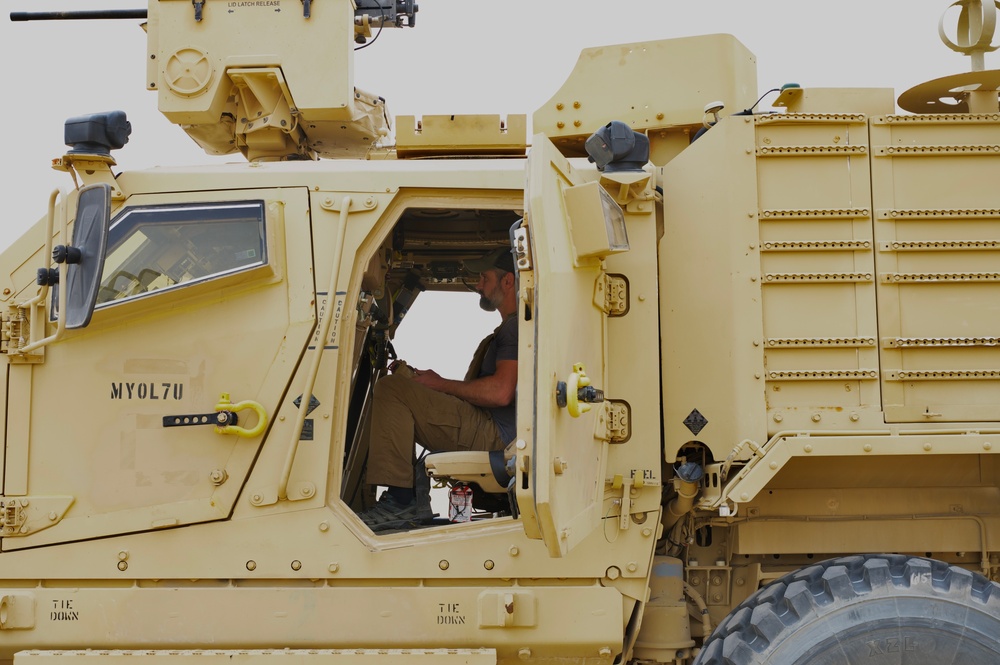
{"x":498,"y":258}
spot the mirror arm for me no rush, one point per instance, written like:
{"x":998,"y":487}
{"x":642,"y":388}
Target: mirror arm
{"x":36,"y":306}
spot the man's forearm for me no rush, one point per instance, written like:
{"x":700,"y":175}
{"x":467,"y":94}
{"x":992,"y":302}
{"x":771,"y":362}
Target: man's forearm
{"x":492,"y":391}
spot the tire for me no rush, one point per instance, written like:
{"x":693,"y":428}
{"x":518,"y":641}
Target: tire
{"x":872,"y":609}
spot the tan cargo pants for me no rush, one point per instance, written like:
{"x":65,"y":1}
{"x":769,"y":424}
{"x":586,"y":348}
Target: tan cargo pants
{"x":405,"y":412}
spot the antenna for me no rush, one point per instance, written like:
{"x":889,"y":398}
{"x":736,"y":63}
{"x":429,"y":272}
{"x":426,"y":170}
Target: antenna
{"x":969,"y":92}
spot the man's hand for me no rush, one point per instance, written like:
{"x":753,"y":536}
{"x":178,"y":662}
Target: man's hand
{"x":429,"y":379}
{"x":400,"y":367}
{"x":491,"y":391}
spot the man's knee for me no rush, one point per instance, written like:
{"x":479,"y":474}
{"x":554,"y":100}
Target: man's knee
{"x":391,"y":387}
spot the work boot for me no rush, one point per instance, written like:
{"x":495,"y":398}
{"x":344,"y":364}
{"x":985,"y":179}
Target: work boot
{"x":388,"y":514}
{"x":422,"y":484}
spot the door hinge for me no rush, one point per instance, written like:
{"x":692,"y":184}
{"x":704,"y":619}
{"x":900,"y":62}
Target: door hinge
{"x":611,"y":294}
{"x":13,"y":329}
{"x":24,"y":515}
{"x":614,"y":422}
{"x":522,"y":248}
{"x":15,"y":334}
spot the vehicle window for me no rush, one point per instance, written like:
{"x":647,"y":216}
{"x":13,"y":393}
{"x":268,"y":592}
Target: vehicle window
{"x":152,"y":248}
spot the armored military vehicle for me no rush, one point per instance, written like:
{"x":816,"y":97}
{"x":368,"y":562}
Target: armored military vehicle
{"x":758,"y":402}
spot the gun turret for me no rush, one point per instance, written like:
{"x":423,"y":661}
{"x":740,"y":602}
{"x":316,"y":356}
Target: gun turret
{"x":270,"y":79}
{"x":267,"y":79}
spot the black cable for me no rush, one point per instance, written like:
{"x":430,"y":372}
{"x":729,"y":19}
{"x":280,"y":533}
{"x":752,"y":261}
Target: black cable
{"x":380,"y":26}
{"x":749,"y":111}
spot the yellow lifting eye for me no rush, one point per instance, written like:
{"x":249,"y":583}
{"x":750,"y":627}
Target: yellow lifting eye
{"x":225,"y":405}
{"x":576,"y":393}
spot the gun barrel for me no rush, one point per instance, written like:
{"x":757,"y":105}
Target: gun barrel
{"x":79,"y":15}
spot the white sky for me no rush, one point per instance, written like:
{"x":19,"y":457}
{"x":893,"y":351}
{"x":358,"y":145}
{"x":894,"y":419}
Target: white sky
{"x":464,"y":56}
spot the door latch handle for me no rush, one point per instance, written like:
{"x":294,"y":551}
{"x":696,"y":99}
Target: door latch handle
{"x":224,"y":418}
{"x":576,"y":394}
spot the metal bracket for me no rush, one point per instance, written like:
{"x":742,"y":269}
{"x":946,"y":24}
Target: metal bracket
{"x":334,"y":204}
{"x":24,"y":515}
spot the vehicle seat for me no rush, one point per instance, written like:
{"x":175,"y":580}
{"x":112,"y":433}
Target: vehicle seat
{"x":488,"y":469}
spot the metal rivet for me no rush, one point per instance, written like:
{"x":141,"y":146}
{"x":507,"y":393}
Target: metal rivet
{"x":296,"y":565}
{"x":123,"y":566}
{"x":251,"y":565}
{"x":513,"y":551}
{"x":488,"y":564}
{"x":333,"y":567}
{"x":443,"y":564}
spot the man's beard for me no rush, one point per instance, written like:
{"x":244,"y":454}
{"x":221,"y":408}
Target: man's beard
{"x":486,"y":304}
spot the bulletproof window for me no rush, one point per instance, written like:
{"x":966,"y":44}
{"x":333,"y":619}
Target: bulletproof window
{"x":155,"y":248}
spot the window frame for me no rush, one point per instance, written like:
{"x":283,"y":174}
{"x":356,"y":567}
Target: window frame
{"x":120,"y":229}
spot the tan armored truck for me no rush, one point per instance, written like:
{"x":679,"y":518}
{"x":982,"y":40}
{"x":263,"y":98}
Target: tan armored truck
{"x":758,"y":394}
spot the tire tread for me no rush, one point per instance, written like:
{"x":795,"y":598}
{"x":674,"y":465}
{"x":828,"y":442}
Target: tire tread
{"x":775,"y":611}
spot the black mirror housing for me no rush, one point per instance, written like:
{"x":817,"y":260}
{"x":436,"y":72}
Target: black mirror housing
{"x":90,"y":237}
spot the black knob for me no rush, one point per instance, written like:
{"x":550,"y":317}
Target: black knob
{"x":47,"y":277}
{"x":66,"y":254}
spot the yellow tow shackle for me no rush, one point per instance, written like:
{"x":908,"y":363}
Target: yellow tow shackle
{"x":224,"y":405}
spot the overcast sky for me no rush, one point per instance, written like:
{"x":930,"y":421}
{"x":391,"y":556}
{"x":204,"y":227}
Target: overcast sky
{"x":464,"y":56}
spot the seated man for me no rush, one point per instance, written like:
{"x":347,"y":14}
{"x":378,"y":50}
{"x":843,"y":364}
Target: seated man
{"x":441,"y":414}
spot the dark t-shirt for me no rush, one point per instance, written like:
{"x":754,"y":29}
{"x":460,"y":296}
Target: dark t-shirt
{"x":503,"y":347}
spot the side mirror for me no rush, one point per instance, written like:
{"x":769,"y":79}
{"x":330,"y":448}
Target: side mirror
{"x":85,"y":258}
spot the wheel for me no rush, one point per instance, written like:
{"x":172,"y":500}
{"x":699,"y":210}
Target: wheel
{"x":873,"y":609}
